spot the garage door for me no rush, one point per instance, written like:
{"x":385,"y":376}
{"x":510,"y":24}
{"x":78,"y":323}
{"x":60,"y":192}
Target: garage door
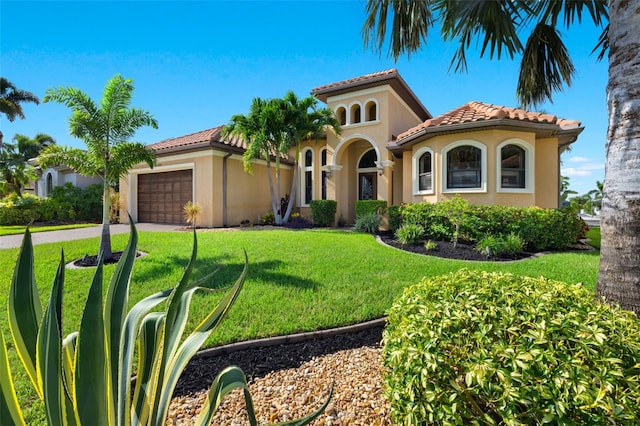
{"x":161,"y":196}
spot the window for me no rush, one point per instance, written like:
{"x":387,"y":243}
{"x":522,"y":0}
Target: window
{"x":49,"y":184}
{"x":465,"y":167}
{"x":514,"y":166}
{"x":423,"y":171}
{"x":372,"y":111}
{"x":341,"y":115}
{"x":307,"y":176}
{"x":355,"y":114}
{"x":323,"y":159}
{"x":368,"y":160}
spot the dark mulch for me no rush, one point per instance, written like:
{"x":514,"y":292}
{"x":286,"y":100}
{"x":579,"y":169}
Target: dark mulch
{"x":447,"y":250}
{"x":258,"y":362}
{"x":91,"y":261}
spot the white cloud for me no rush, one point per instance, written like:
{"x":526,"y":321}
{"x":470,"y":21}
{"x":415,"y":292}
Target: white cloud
{"x":574,"y":172}
{"x":578,"y":159}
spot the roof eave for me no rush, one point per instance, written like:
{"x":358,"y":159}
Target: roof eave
{"x":542,"y":130}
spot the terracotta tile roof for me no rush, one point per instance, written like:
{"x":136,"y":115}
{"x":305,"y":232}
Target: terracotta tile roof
{"x":353,"y":81}
{"x":478,"y":114}
{"x":391,"y":77}
{"x":196,"y":140}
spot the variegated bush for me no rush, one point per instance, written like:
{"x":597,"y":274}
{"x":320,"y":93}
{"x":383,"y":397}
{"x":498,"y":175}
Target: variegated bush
{"x":85,"y":377}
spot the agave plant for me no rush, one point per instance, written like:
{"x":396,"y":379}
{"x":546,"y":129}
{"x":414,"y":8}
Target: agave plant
{"x":85,"y":377}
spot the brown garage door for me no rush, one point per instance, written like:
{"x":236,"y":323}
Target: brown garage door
{"x":161,"y":196}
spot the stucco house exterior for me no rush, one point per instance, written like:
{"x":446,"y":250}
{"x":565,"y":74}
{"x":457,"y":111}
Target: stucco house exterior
{"x":391,"y":148}
{"x":58,"y":176}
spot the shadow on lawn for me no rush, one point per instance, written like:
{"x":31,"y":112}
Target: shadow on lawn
{"x":228,"y":272}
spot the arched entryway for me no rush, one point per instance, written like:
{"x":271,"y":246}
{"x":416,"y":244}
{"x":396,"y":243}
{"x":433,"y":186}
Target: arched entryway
{"x":368,"y":176}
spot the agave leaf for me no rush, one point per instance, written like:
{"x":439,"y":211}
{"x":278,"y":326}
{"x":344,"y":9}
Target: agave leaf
{"x":10,"y":412}
{"x":229,"y":379}
{"x":91,"y":382}
{"x":115,"y":309}
{"x":68,"y":368}
{"x":49,"y":353}
{"x":25,"y":310}
{"x":150,"y":340}
{"x":127,"y":346}
{"x":196,"y":339}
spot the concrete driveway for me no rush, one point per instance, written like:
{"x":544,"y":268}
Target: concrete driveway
{"x":11,"y":241}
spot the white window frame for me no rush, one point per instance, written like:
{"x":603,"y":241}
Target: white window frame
{"x":303,"y":175}
{"x":351,"y":113}
{"x":528,"y":166}
{"x":346,"y":114}
{"x":483,"y":167}
{"x":416,"y":171}
{"x":366,"y":110}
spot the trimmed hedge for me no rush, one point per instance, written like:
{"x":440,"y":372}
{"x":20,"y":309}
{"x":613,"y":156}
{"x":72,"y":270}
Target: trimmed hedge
{"x":540,"y":229}
{"x":323,"y":212}
{"x":365,"y":207}
{"x":475,"y":347}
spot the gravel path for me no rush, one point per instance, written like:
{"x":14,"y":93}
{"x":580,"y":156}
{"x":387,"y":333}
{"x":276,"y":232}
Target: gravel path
{"x":292,"y":380}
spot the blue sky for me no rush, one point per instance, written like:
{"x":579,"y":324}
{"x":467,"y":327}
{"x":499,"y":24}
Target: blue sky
{"x":196,"y":63}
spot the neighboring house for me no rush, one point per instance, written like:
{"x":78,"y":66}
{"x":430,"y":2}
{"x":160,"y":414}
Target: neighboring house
{"x":58,"y":176}
{"x":391,"y":148}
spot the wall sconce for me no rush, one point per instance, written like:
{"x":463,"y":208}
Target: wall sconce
{"x":382,"y":164}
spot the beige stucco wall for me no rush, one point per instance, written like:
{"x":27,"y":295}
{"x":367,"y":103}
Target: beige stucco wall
{"x":248,"y":195}
{"x":543,"y":193}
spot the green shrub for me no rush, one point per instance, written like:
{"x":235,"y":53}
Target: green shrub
{"x":456,"y":219}
{"x":395,"y":218}
{"x":323,"y":211}
{"x":268,"y":218}
{"x":369,"y":223}
{"x":409,"y":233}
{"x":430,"y":245}
{"x":475,"y":347}
{"x":364,"y":207}
{"x":85,"y":377}
{"x":498,"y":245}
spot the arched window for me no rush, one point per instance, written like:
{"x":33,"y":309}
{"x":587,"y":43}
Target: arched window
{"x":372,"y":111}
{"x":355,"y":114}
{"x":341,"y":115}
{"x":49,"y":184}
{"x":514,"y":166}
{"x":323,"y":160}
{"x":465,"y":165}
{"x":307,"y":176}
{"x":368,"y":160}
{"x":512,"y":161}
{"x":423,"y":171}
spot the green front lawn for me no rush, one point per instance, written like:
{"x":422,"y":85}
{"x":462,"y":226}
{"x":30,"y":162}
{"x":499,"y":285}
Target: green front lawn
{"x":18,"y":229}
{"x":298,"y":280}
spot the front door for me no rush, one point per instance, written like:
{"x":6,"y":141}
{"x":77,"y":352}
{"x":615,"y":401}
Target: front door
{"x":367,"y":186}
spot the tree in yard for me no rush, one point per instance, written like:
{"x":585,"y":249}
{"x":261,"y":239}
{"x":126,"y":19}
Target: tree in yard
{"x":15,"y":170}
{"x":564,"y":189}
{"x":545,"y":66}
{"x":11,"y":99}
{"x":597,"y":193}
{"x":105,"y":129}
{"x":271,"y":129}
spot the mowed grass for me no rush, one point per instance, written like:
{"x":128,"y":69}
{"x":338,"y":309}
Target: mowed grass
{"x":19,"y":229}
{"x":298,"y":280}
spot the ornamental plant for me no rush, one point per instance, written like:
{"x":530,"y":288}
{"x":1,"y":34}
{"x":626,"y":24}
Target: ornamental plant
{"x":85,"y":377}
{"x":409,"y":233}
{"x":475,"y":347}
{"x":323,"y":211}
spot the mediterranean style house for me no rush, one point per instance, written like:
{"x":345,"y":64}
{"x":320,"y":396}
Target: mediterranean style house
{"x":391,"y":148}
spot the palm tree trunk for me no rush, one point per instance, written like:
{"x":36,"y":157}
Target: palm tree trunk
{"x":294,"y":188}
{"x":619,"y":276}
{"x":271,"y":191}
{"x":105,"y":236}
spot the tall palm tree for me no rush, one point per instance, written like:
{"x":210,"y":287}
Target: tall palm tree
{"x":30,"y":148}
{"x":597,"y":194}
{"x":263,"y":131}
{"x":545,"y":66}
{"x":105,"y":129}
{"x":564,"y":189}
{"x":11,"y":99}
{"x":304,"y":121}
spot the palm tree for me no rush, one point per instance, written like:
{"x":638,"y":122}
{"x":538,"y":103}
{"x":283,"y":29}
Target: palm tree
{"x":15,"y":171}
{"x":11,"y":99}
{"x":304,"y":121}
{"x":263,"y":131}
{"x":564,"y":189}
{"x":597,"y":193}
{"x":105,"y":129}
{"x":545,"y":66}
